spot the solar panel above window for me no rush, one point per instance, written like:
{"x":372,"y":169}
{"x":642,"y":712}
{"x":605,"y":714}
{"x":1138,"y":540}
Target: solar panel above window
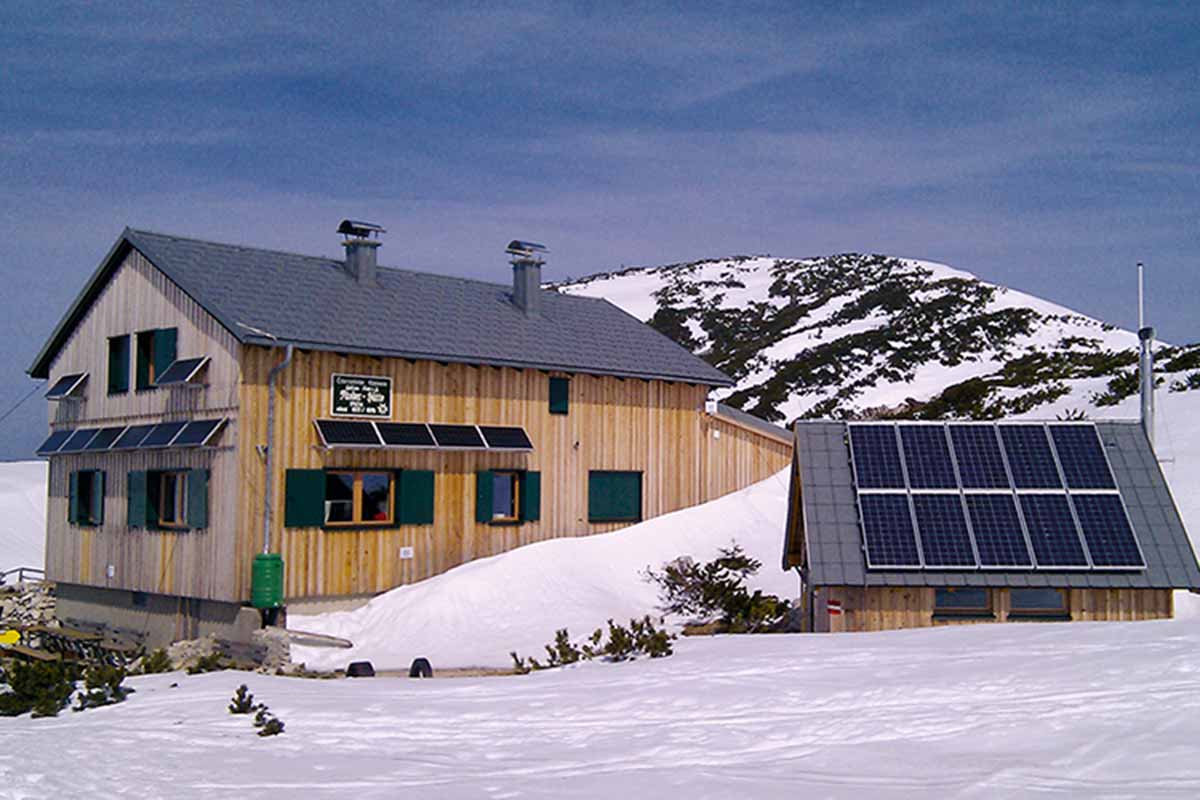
{"x":457,"y":436}
{"x":79,"y":440}
{"x":198,"y":433}
{"x":105,"y":438}
{"x":500,"y":438}
{"x":1110,"y":537}
{"x":180,"y":371}
{"x":162,"y":435}
{"x":888,"y":531}
{"x":945,"y":540}
{"x":54,"y":442}
{"x":998,"y":534}
{"x":1030,"y":457}
{"x":1082,"y":457}
{"x":132,"y":437}
{"x":876,"y":457}
{"x":65,"y":385}
{"x":927,"y":457}
{"x":341,"y":433}
{"x":1052,"y":531}
{"x":405,"y":434}
{"x":980,"y":463}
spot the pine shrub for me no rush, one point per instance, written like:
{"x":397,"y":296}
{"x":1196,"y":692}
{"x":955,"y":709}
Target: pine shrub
{"x":43,"y":687}
{"x":156,"y":661}
{"x":213,"y":662}
{"x":640,"y":638}
{"x":102,"y":687}
{"x":242,"y":701}
{"x":717,"y":591}
{"x":267,"y":723}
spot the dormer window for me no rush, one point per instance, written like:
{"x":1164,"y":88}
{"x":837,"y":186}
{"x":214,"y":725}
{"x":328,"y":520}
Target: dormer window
{"x":155,"y":354}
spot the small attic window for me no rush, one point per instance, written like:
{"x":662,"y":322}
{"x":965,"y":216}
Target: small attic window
{"x":155,"y":355}
{"x":68,"y":387}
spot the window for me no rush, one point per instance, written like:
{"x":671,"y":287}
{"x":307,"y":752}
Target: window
{"x":118,"y":364}
{"x":614,"y":496}
{"x":508,"y":497}
{"x":962,"y":601}
{"x":1043,"y":602}
{"x":174,"y":499}
{"x":85,"y":503}
{"x":155,"y":353}
{"x":560,"y":390}
{"x":344,"y":498}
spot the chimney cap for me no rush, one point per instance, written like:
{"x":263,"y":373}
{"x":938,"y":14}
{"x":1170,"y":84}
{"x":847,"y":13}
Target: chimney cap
{"x":525,"y":250}
{"x":362,"y":230}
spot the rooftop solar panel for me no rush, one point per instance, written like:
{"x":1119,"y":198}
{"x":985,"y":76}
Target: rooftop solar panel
{"x":1110,"y":538}
{"x":457,"y":436}
{"x":1030,"y":457}
{"x":1081,"y":455}
{"x":1052,"y":531}
{"x":198,"y":433}
{"x":888,"y":531}
{"x":876,"y":457}
{"x":927,"y":457}
{"x":105,"y":438}
{"x":162,"y":435}
{"x":65,"y":386}
{"x":342,"y":433}
{"x":132,"y":437}
{"x":53,"y":442}
{"x":180,"y":371}
{"x":977,"y":450}
{"x":945,"y":539}
{"x":998,"y":534}
{"x":500,"y":438}
{"x":78,"y":440}
{"x":405,"y":434}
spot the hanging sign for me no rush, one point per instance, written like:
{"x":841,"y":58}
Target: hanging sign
{"x":361,"y":396}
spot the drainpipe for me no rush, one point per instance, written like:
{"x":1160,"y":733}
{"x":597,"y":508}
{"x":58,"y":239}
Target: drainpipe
{"x":268,"y":484}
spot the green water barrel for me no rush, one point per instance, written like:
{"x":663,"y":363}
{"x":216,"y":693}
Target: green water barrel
{"x":266,"y":581}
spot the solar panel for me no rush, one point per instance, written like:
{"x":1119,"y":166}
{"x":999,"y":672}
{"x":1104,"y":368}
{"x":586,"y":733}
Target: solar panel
{"x":876,"y":457}
{"x":1081,"y":454}
{"x":104,"y":439}
{"x":180,"y":371}
{"x":341,"y":433}
{"x":162,"y":435}
{"x":1106,"y":528}
{"x":1030,"y":457}
{"x":980,"y":463}
{"x":457,"y":436}
{"x":945,"y":539}
{"x":927,"y":457}
{"x":78,"y":440}
{"x":405,"y":434}
{"x":998,"y":534}
{"x":53,"y":442}
{"x":500,"y":438}
{"x":888,"y":531}
{"x":198,"y":433}
{"x":65,"y":385}
{"x":132,"y":437}
{"x":1052,"y":531}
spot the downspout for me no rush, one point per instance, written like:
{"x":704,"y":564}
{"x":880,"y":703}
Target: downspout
{"x":269,"y":483}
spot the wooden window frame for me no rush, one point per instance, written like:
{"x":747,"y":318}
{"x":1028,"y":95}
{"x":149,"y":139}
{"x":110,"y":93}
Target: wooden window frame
{"x":127,"y":367}
{"x":357,"y":500}
{"x":1045,"y":613}
{"x":987,"y":611}
{"x":179,"y":497}
{"x":517,"y":480}
{"x":84,"y":504}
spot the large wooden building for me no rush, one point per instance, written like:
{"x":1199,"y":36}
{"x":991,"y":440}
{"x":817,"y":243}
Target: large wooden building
{"x":901,"y":525}
{"x":402,"y":423}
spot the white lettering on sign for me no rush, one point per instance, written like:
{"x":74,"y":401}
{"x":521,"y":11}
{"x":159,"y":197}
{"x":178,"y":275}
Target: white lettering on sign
{"x":361,"y":396}
{"x":406,"y":552}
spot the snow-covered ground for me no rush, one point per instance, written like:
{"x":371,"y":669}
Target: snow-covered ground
{"x":22,"y":514}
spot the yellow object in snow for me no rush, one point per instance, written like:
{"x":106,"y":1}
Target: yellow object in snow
{"x":10,"y":637}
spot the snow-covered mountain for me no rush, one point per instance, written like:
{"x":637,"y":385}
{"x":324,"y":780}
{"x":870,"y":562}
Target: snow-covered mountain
{"x":871,"y":335}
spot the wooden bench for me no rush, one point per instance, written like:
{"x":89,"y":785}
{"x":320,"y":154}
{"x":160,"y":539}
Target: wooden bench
{"x":29,"y":653}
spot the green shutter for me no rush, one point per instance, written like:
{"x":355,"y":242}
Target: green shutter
{"x":559,"y":395}
{"x":304,"y":498}
{"x":614,"y":496}
{"x":97,"y":498}
{"x":483,"y":496}
{"x":118,"y":365}
{"x":414,"y":497}
{"x":73,"y":500}
{"x":144,"y":342}
{"x":138,"y":507}
{"x":197,"y":498}
{"x":531,"y":496}
{"x":164,"y":349}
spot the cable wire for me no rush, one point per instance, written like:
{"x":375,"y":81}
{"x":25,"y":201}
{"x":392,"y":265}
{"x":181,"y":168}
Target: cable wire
{"x":31,"y":393}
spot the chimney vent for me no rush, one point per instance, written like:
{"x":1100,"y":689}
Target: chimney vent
{"x":527,"y":275}
{"x":361,"y":258}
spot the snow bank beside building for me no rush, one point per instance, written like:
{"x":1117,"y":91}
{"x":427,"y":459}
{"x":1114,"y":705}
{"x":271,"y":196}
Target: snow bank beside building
{"x":22,"y":514}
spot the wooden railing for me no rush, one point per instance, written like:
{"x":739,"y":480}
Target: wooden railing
{"x":23,"y":574}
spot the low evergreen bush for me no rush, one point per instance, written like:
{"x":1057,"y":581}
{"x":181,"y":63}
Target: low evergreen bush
{"x":716,"y":591}
{"x":102,"y":687}
{"x":641,"y":638}
{"x":43,"y":687}
{"x":156,"y":661}
{"x":242,"y":701}
{"x":213,"y":662}
{"x":267,"y":723}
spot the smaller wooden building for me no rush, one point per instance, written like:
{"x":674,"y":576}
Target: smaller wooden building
{"x":911,"y":524}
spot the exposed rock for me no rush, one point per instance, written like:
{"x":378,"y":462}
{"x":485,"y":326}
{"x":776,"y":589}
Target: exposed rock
{"x":29,"y":603}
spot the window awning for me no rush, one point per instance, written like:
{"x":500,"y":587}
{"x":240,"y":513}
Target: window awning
{"x":178,"y":434}
{"x":338,"y":433}
{"x":67,"y":387}
{"x":181,"y":371}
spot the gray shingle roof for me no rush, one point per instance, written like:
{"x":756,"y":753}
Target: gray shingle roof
{"x":834,"y":545}
{"x":312,"y":302}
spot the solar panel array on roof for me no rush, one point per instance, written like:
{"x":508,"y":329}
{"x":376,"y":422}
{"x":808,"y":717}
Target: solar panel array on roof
{"x":457,"y":436}
{"x":132,"y":437}
{"x":421,"y":435}
{"x":989,"y":496}
{"x":105,"y":438}
{"x":405,"y":434}
{"x":198,"y":434}
{"x":165,"y":434}
{"x":502,"y":438}
{"x":162,"y":435}
{"x":79,"y":440}
{"x":54,"y":442}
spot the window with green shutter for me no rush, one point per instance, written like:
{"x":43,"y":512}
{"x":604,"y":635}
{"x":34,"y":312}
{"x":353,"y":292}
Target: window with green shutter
{"x":118,"y":364}
{"x":304,"y":498}
{"x":175,"y":499}
{"x":85,"y":501}
{"x":138,"y":491}
{"x":507,"y":497}
{"x":155,"y":352}
{"x":560,"y":391}
{"x":414,"y":497}
{"x":614,"y":496}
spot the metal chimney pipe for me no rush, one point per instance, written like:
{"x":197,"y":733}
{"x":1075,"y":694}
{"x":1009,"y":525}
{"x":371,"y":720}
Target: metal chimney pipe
{"x":1146,"y":380}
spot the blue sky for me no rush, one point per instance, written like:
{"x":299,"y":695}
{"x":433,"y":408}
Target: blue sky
{"x":1045,"y":148}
